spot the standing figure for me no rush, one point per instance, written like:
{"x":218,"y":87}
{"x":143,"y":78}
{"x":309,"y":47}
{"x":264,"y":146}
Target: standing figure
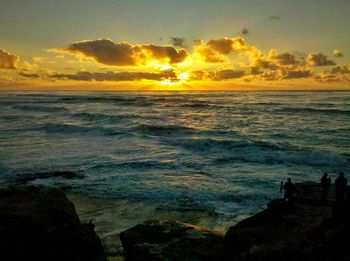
{"x":340,"y":187}
{"x":325,"y":185}
{"x":289,"y":189}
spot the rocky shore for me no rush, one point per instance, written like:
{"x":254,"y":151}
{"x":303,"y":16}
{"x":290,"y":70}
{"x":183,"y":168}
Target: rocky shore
{"x":40,"y":223}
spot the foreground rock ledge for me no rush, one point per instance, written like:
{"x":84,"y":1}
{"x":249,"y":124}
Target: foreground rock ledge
{"x":171,"y":240}
{"x":40,"y":223}
{"x":303,"y":231}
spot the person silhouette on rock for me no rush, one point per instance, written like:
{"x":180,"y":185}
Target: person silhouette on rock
{"x":325,"y":185}
{"x":289,"y":189}
{"x":340,"y":187}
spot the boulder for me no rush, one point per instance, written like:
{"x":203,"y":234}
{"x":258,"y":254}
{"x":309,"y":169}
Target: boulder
{"x":171,"y":240}
{"x":40,"y":223}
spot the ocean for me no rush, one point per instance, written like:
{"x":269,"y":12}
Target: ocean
{"x":222,"y":154}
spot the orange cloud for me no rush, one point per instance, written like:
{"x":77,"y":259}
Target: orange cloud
{"x":107,"y":52}
{"x":8,"y":60}
{"x":216,"y":51}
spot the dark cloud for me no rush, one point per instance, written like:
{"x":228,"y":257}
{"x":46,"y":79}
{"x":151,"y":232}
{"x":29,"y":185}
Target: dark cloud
{"x":262,"y":63}
{"x":117,"y":76}
{"x":318,"y":59}
{"x":178,"y":41}
{"x":107,"y":52}
{"x":274,"y":17}
{"x":197,"y":41}
{"x":284,"y":58}
{"x":330,"y":78}
{"x":226,"y":75}
{"x":340,"y":69}
{"x":29,"y":75}
{"x":299,"y":73}
{"x":8,"y":60}
{"x":286,"y":74}
{"x":337,"y":53}
{"x":162,"y":53}
{"x":225,"y":45}
{"x":244,"y":31}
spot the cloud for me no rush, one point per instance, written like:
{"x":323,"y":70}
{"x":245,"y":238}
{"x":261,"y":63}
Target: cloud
{"x":107,"y":52}
{"x":8,"y":60}
{"x":244,"y":32}
{"x":218,"y":75}
{"x":178,"y":41}
{"x":32,"y":70}
{"x":197,"y":75}
{"x":226,"y":75}
{"x":217,"y":51}
{"x":29,"y":75}
{"x":284,"y":58}
{"x":164,"y":53}
{"x":273,"y":61}
{"x":117,"y":76}
{"x":318,"y":59}
{"x":286,"y":74}
{"x":340,"y":69}
{"x":274,"y":17}
{"x":329,"y":78}
{"x":228,"y":45}
{"x":298,"y":73}
{"x":337,"y":53}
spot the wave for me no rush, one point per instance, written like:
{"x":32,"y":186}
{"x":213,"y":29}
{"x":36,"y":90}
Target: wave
{"x":71,"y":129}
{"x":308,"y":158}
{"x":261,"y":152}
{"x":40,"y":108}
{"x":135,"y":165}
{"x":205,"y":144}
{"x":100,"y":116}
{"x":164,"y":129}
{"x":124,"y":101}
{"x":313,"y":110}
{"x":201,"y":105}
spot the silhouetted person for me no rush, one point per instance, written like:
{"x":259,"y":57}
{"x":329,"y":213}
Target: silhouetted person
{"x":348,"y":194}
{"x":340,"y":187}
{"x":289,"y":189}
{"x":325,"y":185}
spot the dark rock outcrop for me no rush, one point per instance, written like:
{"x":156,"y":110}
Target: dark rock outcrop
{"x":40,"y":223}
{"x":305,"y":230}
{"x":171,"y":240}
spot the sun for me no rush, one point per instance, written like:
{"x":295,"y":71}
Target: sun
{"x":181,"y":79}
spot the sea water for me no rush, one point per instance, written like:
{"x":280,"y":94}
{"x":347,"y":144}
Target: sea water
{"x":223,"y":153}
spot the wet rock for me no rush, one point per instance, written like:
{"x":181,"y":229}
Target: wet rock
{"x":40,"y":223}
{"x":171,"y":240}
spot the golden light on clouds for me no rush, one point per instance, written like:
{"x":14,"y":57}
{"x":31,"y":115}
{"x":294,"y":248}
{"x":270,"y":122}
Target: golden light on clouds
{"x":232,"y":61}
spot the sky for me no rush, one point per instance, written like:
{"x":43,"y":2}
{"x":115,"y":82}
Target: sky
{"x":171,"y":45}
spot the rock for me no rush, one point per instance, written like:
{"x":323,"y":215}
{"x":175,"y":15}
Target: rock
{"x":304,"y":230}
{"x":171,"y":240}
{"x":40,"y":223}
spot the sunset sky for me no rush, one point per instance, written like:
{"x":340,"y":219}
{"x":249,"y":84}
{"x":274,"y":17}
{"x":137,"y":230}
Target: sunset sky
{"x":174,"y":45}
